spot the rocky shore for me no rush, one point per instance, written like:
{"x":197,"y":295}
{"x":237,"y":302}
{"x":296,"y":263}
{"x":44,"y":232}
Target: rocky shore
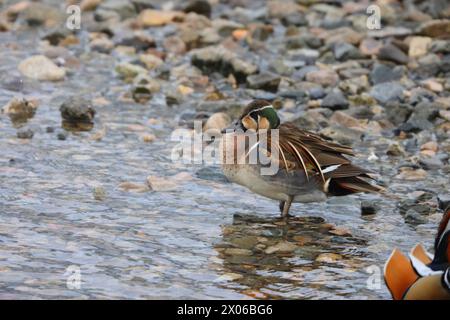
{"x":164,"y":64}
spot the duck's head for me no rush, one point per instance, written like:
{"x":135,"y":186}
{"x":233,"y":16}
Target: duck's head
{"x":257,"y":115}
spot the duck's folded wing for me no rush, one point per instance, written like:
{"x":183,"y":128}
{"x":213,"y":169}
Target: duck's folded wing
{"x":421,"y":254}
{"x":399,"y":274}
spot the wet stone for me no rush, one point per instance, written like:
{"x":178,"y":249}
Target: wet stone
{"x":41,"y":68}
{"x":430,"y":163}
{"x":77,"y":109}
{"x":369,"y":207}
{"x":99,"y":193}
{"x":443,"y":201}
{"x":25,"y":133}
{"x":62,"y":136}
{"x":20,"y":110}
{"x":202,"y":7}
{"x":414,"y":218}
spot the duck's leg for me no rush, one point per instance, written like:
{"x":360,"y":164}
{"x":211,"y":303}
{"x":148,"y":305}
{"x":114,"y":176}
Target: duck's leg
{"x":286,"y":207}
{"x":282,"y":206}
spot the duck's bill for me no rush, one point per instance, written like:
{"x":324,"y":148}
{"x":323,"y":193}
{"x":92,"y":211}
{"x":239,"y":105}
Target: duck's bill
{"x":235,"y":126}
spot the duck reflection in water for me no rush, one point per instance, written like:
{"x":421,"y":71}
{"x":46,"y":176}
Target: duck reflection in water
{"x":296,"y":258}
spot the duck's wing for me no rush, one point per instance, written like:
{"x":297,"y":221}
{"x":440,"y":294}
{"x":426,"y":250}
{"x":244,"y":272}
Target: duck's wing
{"x":420,"y":253}
{"x":322,"y":159}
{"x":399,"y":274}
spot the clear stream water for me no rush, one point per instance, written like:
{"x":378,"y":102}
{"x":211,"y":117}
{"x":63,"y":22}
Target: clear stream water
{"x":204,"y":239}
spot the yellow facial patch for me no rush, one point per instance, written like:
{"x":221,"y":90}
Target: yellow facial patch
{"x":263,"y":123}
{"x":249,"y":123}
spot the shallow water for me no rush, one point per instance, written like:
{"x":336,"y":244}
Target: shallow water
{"x":165,"y":244}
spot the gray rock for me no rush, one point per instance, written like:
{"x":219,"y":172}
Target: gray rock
{"x":316,"y":93}
{"x":77,"y":109}
{"x":25,"y":133}
{"x":264,"y":81}
{"x":443,"y":201}
{"x":387,"y":91}
{"x":335,"y":100}
{"x":385,"y":73}
{"x":62,"y":135}
{"x":421,"y":118}
{"x":345,"y":51}
{"x":414,"y":204}
{"x":202,"y":7}
{"x":341,"y":134}
{"x":218,"y":59}
{"x":140,"y":41}
{"x":124,"y":8}
{"x":301,"y":74}
{"x":37,"y":14}
{"x":390,"y":52}
{"x":398,"y":113}
{"x":430,"y":163}
{"x":55,"y":35}
{"x":369,"y":207}
{"x":414,"y":217}
{"x":294,"y":19}
{"x":440,"y":46}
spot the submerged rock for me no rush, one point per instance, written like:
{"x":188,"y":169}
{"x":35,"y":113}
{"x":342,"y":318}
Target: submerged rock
{"x":25,"y":134}
{"x":369,"y":207}
{"x":20,"y":110}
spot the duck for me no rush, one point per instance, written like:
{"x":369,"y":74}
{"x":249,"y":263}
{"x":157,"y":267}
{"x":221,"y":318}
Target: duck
{"x":308,"y":167}
{"x":421,"y":275}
